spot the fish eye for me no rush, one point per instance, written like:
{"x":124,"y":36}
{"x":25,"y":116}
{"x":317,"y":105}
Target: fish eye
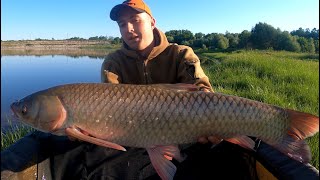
{"x":24,"y":110}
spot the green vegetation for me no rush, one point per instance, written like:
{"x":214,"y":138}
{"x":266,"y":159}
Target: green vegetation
{"x":285,"y":79}
{"x":13,"y":133}
{"x":262,"y":36}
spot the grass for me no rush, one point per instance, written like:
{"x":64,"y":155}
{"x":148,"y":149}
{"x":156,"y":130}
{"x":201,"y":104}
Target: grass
{"x":289,"y":80}
{"x":13,"y":133}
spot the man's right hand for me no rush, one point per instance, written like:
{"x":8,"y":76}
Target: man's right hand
{"x":212,"y":139}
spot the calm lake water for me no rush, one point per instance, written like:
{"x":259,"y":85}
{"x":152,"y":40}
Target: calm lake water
{"x":23,"y":75}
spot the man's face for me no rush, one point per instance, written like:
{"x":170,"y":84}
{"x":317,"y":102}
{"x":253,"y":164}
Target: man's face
{"x":136,"y":28}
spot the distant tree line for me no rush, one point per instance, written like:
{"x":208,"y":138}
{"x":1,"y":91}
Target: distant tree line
{"x":262,"y":36}
{"x":112,"y":40}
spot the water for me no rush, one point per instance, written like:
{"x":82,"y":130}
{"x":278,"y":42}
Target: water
{"x":23,"y":75}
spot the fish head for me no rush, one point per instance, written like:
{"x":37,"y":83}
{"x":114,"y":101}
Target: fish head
{"x":43,"y":112}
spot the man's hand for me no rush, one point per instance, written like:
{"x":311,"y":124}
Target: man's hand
{"x":205,"y":89}
{"x":212,"y":139}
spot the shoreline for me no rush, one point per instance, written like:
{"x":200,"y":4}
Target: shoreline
{"x":49,"y":44}
{"x":58,"y":47}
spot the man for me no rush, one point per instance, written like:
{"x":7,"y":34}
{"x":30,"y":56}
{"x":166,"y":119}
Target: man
{"x":145,"y":58}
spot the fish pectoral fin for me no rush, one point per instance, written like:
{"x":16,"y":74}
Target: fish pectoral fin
{"x":74,"y":132}
{"x":243,"y":141}
{"x":160,"y":158}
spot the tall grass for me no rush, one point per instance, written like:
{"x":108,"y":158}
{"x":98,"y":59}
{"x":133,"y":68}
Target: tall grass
{"x":289,"y":80}
{"x":13,"y":133}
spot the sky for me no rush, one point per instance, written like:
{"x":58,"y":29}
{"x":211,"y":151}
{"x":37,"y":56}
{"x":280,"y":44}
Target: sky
{"x":62,"y":19}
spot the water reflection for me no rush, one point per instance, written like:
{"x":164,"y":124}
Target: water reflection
{"x":23,"y":75}
{"x":66,"y":52}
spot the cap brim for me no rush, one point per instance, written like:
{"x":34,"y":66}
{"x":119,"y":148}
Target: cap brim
{"x":115,"y":11}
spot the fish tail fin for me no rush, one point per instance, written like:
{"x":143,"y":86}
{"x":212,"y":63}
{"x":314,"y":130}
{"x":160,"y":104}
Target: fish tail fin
{"x":302,"y":125}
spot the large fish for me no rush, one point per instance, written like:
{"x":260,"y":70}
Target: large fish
{"x":160,"y":117}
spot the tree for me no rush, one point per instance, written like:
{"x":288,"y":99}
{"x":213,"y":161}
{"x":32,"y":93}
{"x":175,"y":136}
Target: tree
{"x":170,"y":39}
{"x":311,"y":48}
{"x":244,"y":39}
{"x":180,"y":35}
{"x":187,"y":43}
{"x":263,"y":36}
{"x":116,"y":40}
{"x":233,"y":39}
{"x":198,"y":35}
{"x":285,"y":41}
{"x":103,"y":38}
{"x":198,"y":43}
{"x":209,"y":40}
{"x":307,"y":45}
{"x":303,"y":43}
{"x":76,"y":39}
{"x":300,"y":32}
{"x":314,"y":34}
{"x":94,"y":38}
{"x":316,"y":45}
{"x":221,"y":42}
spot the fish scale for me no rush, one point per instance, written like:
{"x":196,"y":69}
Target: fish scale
{"x":167,"y":107}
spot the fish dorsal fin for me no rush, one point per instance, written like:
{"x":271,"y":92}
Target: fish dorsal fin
{"x":179,"y":87}
{"x":160,"y":155}
{"x":74,"y":132}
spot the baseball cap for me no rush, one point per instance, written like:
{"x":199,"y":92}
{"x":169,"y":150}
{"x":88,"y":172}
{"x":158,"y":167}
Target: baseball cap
{"x":137,"y":5}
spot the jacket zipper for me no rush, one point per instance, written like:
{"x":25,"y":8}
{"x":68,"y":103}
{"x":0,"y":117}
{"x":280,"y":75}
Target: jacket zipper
{"x":145,"y":71}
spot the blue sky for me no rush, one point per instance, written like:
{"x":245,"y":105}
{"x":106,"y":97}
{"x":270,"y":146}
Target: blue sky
{"x":60,"y":19}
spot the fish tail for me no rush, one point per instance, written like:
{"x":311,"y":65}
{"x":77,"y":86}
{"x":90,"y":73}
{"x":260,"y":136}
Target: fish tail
{"x":302,"y":125}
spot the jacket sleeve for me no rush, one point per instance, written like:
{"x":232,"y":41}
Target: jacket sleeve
{"x":190,"y":70}
{"x":110,"y":71}
{"x":282,"y":166}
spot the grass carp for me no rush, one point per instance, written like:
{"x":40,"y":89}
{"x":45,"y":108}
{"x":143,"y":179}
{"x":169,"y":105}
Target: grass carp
{"x":159,"y":117}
